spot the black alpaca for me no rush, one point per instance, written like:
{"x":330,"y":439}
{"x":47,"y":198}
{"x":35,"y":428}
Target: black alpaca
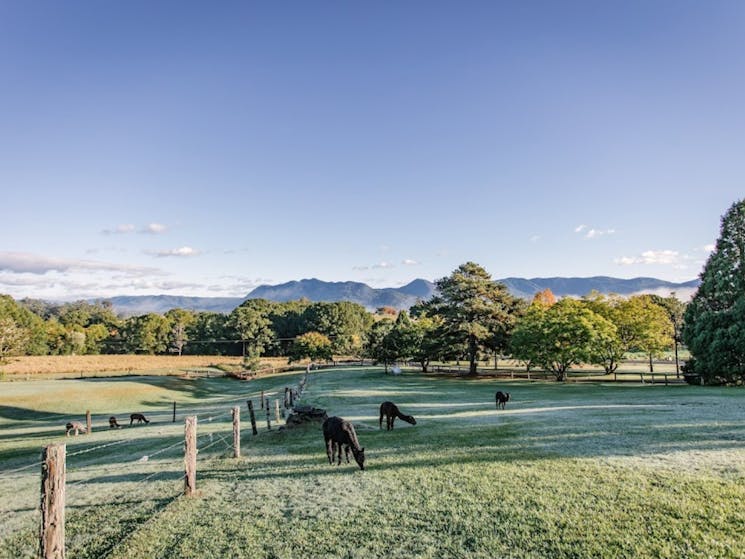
{"x":339,"y":433}
{"x":391,"y":412}
{"x":137,"y":417}
{"x":502,"y":398}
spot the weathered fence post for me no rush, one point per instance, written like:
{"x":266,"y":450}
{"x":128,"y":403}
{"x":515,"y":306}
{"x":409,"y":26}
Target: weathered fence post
{"x":665,"y":380}
{"x":52,"y":530}
{"x":268,"y":416}
{"x":252,"y":415}
{"x":262,"y":399}
{"x":276,"y":410}
{"x":236,"y":432}
{"x":88,"y":422}
{"x":641,"y":376}
{"x":287,"y":398}
{"x":174,"y":411}
{"x":292,"y":398}
{"x":190,"y":455}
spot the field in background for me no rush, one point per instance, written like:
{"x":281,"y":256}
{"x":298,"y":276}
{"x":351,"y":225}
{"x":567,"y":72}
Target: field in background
{"x":566,"y":470}
{"x":50,"y":366}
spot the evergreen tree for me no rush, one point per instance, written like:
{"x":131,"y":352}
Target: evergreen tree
{"x":714,"y":321}
{"x":477,"y":312}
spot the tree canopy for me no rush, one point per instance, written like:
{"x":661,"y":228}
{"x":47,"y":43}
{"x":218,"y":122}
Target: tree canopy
{"x":714,"y":321}
{"x":477,"y":312}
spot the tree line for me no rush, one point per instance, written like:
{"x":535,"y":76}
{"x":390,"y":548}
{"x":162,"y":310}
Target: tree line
{"x":471,"y":317}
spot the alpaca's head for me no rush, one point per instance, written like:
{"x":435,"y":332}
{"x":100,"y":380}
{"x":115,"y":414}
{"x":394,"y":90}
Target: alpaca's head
{"x":409,"y":419}
{"x":359,"y":456}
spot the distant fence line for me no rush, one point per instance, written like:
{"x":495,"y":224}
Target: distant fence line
{"x":572,"y":376}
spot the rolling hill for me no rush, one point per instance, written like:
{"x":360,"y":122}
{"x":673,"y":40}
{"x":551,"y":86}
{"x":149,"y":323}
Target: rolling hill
{"x":398,"y":297}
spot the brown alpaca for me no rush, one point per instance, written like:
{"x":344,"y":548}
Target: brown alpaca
{"x":75,"y":426}
{"x":339,"y":433}
{"x":502,"y":398}
{"x":391,"y":412}
{"x":113,"y":423}
{"x":139,"y":417}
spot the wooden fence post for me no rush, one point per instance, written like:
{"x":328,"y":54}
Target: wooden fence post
{"x":252,"y":415}
{"x":641,"y":376}
{"x":52,"y":530}
{"x":268,"y":416}
{"x":174,"y":411}
{"x":236,"y":432}
{"x":287,"y":398}
{"x":88,"y":422}
{"x":276,"y":410}
{"x":262,"y":399}
{"x":190,"y":455}
{"x":292,"y":398}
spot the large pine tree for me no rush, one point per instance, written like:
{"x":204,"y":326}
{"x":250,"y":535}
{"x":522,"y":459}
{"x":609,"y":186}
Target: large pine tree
{"x":714,"y":322}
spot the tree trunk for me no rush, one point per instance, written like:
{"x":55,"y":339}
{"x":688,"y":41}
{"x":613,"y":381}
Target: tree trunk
{"x":472,"y":355}
{"x":651,"y":366}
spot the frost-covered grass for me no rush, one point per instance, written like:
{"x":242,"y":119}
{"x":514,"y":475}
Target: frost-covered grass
{"x":565,"y":471}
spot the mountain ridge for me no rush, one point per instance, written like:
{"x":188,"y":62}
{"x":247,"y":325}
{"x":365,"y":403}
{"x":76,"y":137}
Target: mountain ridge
{"x":403,"y":297}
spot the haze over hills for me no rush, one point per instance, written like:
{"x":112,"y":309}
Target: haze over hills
{"x":398,"y":297}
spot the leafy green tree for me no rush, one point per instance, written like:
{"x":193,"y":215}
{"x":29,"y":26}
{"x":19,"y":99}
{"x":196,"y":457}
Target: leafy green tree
{"x":95,"y":336}
{"x":147,"y":333}
{"x":655,"y":332}
{"x":426,"y":345}
{"x":208,"y":335}
{"x":378,"y":344}
{"x":675,"y":309}
{"x":180,"y":320}
{"x":28,"y":328}
{"x":561,"y":336}
{"x":343,"y":322}
{"x":13,"y":338}
{"x":714,"y":321}
{"x":478,"y":314}
{"x":250,"y":322}
{"x":313,"y":345}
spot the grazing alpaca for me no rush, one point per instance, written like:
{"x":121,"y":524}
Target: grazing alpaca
{"x":339,"y":433}
{"x":391,"y":412}
{"x":502,"y":398}
{"x":113,"y":423}
{"x":139,"y":417}
{"x":74,"y":426}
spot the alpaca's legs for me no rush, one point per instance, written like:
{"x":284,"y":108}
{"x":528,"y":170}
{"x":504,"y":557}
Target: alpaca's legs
{"x":330,"y":450}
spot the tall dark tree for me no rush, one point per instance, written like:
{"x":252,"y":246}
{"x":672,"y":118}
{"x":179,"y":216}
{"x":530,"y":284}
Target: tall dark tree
{"x":714,"y":321}
{"x":477,"y":312}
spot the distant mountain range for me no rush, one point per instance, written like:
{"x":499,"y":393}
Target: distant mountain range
{"x":398,"y":297}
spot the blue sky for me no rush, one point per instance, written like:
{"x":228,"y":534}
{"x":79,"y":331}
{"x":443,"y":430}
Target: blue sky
{"x":205,"y":148}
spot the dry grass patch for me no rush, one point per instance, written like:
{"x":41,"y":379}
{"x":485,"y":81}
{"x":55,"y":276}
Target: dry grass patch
{"x":49,"y":366}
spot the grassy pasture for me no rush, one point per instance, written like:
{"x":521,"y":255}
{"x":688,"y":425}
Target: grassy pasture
{"x":575,"y":470}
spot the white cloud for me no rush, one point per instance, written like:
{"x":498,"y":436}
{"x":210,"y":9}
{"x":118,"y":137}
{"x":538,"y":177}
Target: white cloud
{"x":535,"y":238}
{"x":179,"y":252}
{"x":665,"y":257}
{"x":154,"y":228}
{"x":409,"y":262}
{"x":119,"y":229}
{"x":23,"y":262}
{"x":383,"y":264}
{"x":594,"y":233}
{"x":360,"y":268}
{"x":591,"y":232}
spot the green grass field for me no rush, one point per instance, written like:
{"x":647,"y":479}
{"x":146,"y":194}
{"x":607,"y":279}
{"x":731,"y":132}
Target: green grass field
{"x":567,"y":470}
